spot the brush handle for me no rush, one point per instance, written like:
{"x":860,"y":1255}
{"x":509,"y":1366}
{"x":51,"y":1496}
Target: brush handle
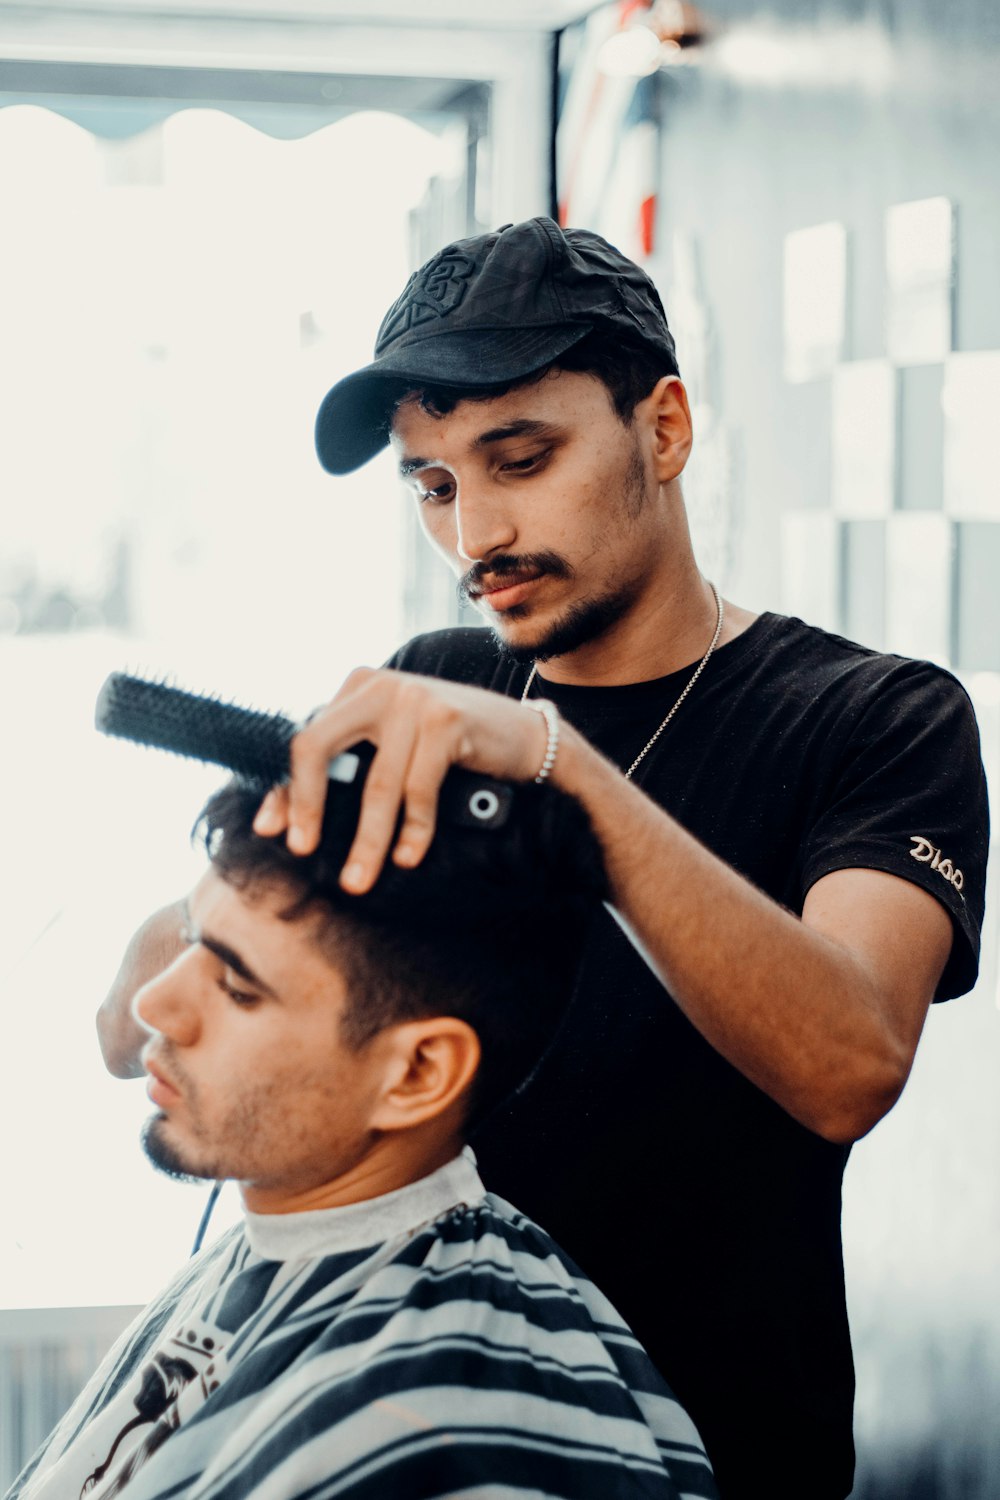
{"x":255,"y":744}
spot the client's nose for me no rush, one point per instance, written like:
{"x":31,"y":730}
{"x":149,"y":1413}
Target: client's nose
{"x":167,"y":1003}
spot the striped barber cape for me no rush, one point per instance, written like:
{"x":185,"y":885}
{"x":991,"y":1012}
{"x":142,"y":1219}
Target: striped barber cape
{"x":431,"y":1342}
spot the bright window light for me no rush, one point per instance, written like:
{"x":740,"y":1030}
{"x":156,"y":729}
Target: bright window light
{"x":173,"y":308}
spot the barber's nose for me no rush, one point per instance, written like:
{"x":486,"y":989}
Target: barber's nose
{"x":168,"y":1003}
{"x":484,"y":525}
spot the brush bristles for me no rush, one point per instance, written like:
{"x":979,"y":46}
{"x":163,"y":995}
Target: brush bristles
{"x":244,"y":740}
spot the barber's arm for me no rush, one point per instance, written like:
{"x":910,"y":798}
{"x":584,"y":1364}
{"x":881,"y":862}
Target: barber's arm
{"x":152,"y":949}
{"x":822,"y":1012}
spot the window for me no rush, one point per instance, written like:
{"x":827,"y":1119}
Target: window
{"x":174,"y":305}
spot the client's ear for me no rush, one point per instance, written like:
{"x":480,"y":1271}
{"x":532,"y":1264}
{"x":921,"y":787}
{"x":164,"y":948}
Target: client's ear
{"x":429,"y":1064}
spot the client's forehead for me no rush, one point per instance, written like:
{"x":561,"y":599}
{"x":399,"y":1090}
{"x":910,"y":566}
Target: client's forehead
{"x":259,"y":922}
{"x":230,"y":896}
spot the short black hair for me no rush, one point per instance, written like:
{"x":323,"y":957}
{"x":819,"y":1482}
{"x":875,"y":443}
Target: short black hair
{"x":490,"y":927}
{"x":628,"y":369}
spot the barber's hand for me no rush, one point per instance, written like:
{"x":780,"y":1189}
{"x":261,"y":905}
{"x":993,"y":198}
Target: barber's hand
{"x":152,"y":949}
{"x":421,"y":726}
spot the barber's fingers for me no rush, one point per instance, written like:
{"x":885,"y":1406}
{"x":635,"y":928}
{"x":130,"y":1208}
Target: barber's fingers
{"x":351,"y":716}
{"x":433,"y":755}
{"x":420,"y":727}
{"x":272,"y":815}
{"x":429,"y":733}
{"x":380,"y":804}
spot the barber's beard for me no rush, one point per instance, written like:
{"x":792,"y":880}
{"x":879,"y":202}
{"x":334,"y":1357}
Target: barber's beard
{"x":588,"y":619}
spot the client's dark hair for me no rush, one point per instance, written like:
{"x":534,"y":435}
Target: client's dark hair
{"x":628,"y":369}
{"x":490,"y":927}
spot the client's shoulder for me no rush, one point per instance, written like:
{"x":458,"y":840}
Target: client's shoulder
{"x":488,"y":1261}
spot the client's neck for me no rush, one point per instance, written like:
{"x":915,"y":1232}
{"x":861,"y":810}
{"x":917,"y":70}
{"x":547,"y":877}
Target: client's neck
{"x":393,"y":1162}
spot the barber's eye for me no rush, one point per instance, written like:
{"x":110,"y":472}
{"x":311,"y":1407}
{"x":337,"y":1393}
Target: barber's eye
{"x":524,"y":465}
{"x":439,"y":495}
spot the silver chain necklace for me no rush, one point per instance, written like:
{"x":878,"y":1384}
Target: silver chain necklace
{"x":691,"y":682}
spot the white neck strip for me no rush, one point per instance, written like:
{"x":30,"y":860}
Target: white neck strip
{"x":328,"y":1231}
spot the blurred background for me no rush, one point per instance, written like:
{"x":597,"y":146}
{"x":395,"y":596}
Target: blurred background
{"x":206,"y":209}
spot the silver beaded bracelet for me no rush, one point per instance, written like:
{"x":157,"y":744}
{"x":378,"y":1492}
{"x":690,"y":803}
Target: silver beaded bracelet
{"x":550,"y":714}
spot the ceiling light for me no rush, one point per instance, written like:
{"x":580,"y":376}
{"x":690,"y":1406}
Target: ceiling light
{"x":633,"y":53}
{"x":651,"y":39}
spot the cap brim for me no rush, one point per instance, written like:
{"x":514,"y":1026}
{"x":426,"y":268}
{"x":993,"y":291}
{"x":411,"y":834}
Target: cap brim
{"x":352,"y":424}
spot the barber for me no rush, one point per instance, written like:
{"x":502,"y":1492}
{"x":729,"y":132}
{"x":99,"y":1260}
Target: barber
{"x":765,"y":795}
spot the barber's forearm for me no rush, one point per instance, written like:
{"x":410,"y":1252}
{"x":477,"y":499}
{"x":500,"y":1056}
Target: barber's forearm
{"x":151,"y":950}
{"x":795,"y":1011}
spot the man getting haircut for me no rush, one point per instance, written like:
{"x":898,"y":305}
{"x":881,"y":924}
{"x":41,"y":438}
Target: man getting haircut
{"x":379,"y":1325}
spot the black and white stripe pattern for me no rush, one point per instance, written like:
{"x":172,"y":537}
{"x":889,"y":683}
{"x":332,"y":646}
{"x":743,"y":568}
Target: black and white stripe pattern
{"x":467,"y":1357}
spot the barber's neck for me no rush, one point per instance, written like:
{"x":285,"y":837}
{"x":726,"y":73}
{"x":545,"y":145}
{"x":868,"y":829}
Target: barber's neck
{"x":670,"y":620}
{"x":391,"y":1161}
{"x":669,"y":624}
{"x":668,"y":627}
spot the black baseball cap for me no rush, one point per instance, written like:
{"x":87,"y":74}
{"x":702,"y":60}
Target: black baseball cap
{"x":487,"y":310}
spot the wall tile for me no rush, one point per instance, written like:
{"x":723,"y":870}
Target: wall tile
{"x":971,"y":402}
{"x":977,"y":596}
{"x":921,"y":438}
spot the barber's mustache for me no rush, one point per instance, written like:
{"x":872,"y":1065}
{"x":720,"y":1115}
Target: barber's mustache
{"x":512,"y":568}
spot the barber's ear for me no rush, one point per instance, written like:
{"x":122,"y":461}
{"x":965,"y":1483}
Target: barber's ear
{"x":429,"y":1064}
{"x":668,"y":415}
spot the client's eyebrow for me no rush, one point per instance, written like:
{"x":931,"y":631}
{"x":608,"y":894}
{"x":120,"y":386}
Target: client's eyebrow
{"x":523,"y":427}
{"x":232,"y":960}
{"x":228,"y":955}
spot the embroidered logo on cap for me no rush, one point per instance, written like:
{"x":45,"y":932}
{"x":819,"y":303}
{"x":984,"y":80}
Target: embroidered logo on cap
{"x":435,"y":291}
{"x":925,"y":852}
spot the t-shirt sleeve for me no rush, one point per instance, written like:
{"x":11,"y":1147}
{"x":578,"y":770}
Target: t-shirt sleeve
{"x":463,"y":653}
{"x":397,"y":661}
{"x":908,"y":796}
{"x":425,"y":654}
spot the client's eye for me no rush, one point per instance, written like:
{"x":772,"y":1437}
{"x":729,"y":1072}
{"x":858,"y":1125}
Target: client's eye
{"x":239,"y":997}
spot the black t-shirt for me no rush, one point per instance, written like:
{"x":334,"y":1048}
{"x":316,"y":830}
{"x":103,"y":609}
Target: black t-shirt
{"x":706,"y":1213}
